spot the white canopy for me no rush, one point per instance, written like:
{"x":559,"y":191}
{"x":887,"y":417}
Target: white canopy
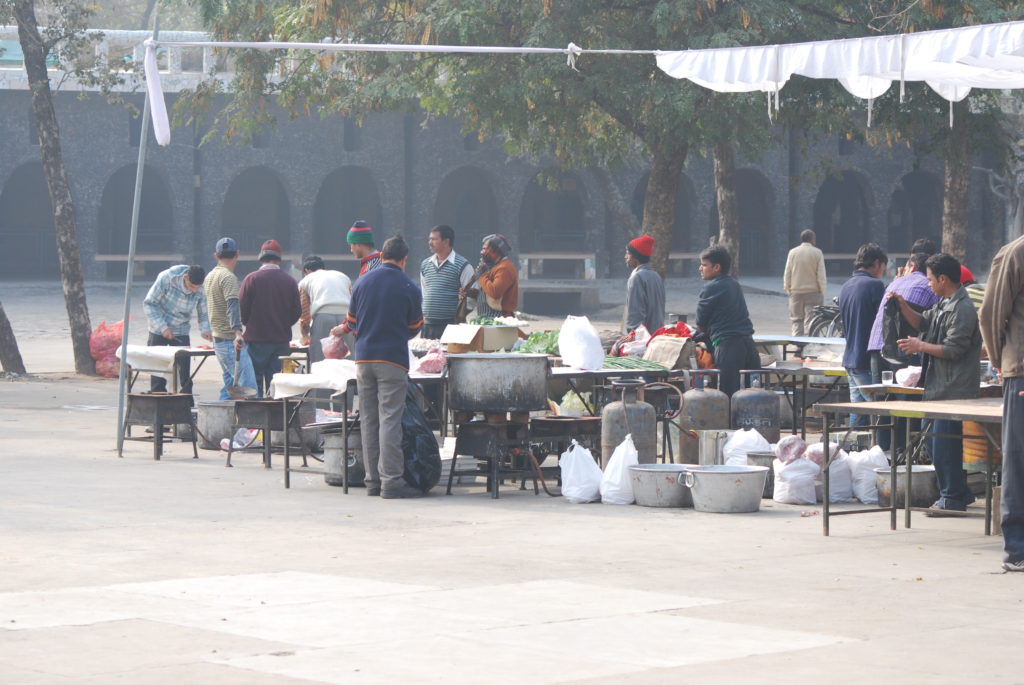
{"x":951,"y":61}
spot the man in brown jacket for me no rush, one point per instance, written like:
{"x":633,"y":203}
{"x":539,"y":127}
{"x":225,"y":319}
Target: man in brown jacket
{"x":804,"y":281}
{"x":1002,"y":327}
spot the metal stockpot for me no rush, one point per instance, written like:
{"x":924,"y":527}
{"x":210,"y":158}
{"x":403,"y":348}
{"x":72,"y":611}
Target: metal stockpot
{"x":757,"y":408}
{"x":497,"y":382}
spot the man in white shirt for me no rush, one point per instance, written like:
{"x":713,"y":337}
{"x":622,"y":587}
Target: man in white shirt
{"x":442,"y":275}
{"x":324,"y":295}
{"x":804,"y":281}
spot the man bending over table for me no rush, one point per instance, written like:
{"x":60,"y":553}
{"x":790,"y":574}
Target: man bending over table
{"x":169,"y":304}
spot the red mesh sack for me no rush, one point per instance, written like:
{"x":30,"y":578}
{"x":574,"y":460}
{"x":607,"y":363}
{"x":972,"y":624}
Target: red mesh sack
{"x":105,"y":340}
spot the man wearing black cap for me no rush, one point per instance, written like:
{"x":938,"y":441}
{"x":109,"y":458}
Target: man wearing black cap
{"x":269,"y":303}
{"x":221,"y":286}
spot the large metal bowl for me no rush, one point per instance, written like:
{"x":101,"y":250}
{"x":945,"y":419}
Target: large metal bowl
{"x":497,"y":382}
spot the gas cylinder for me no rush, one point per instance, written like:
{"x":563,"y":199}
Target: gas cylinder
{"x":754,"y":407}
{"x":703,"y":409}
{"x":629,"y":416}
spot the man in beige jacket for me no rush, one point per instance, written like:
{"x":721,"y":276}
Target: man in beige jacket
{"x":804,"y":281}
{"x":1002,"y":328}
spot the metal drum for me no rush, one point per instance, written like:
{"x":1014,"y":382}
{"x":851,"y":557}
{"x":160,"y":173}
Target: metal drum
{"x":703,"y":409}
{"x":756,"y":408}
{"x":215,"y":421}
{"x":498,"y":382}
{"x":629,"y":416}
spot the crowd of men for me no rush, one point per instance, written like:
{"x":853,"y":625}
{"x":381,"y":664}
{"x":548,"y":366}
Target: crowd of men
{"x":924,"y":317}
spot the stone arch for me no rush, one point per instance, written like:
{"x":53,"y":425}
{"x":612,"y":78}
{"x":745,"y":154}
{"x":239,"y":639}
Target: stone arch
{"x":755,"y":199}
{"x":686,"y":201}
{"x":346,"y":195}
{"x":465,"y":201}
{"x":27,"y":245}
{"x":915,"y":210}
{"x":256,"y":209}
{"x":842,"y":212}
{"x":552,"y":214}
{"x":156,"y":218}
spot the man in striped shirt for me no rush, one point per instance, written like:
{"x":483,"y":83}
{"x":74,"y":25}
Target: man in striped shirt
{"x":360,"y":243}
{"x":442,"y":275}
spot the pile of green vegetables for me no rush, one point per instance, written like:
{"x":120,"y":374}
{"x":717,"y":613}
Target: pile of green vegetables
{"x":485,"y":321}
{"x":541,"y":342}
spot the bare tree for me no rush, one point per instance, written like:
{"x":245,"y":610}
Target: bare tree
{"x":10,"y":356}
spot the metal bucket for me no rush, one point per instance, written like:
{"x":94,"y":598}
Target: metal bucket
{"x":710,"y":444}
{"x":497,"y":382}
{"x":764,"y":459}
{"x":726,"y":489}
{"x":333,"y":448}
{"x":659,"y":485}
{"x":215,"y":421}
{"x":924,"y":486}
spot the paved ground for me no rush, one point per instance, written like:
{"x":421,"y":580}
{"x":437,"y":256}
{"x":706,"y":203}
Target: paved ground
{"x":135,"y":571}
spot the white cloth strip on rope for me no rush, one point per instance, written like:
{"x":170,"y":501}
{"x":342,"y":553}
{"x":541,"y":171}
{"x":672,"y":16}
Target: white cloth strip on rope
{"x":950,"y":61}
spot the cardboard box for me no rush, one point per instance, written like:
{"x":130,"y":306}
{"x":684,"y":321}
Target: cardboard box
{"x":671,"y":352}
{"x":464,"y":337}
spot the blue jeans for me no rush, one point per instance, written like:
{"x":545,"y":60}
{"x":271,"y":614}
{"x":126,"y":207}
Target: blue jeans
{"x":226,"y":356}
{"x":857,"y":378}
{"x":948,"y":459}
{"x":265,"y":362}
{"x":1012,"y":495}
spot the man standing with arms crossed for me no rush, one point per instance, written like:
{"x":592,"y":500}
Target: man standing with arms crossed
{"x":221,"y":286}
{"x":169,"y":304}
{"x":1002,"y":326}
{"x":269,"y":303}
{"x":804,"y":281}
{"x":384,"y":314}
{"x":442,"y":276}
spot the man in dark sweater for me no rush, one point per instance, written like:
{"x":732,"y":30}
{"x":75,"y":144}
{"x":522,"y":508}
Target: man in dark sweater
{"x":269,"y":303}
{"x":386,"y":311}
{"x":722,"y":315}
{"x":858,"y":304}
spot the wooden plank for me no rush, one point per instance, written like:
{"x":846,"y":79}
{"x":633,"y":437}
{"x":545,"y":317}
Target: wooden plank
{"x":154,"y":257}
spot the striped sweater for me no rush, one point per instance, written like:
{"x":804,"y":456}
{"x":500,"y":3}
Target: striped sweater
{"x":441,"y":287}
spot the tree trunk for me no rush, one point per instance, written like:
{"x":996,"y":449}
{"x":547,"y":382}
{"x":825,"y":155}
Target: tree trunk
{"x":146,"y":14}
{"x":10,"y":357}
{"x":725,"y":198}
{"x":57,"y":182}
{"x":660,"y":204}
{"x":616,"y":204}
{"x":957,"y":187}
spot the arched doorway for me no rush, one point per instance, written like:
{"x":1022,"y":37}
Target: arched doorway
{"x":915,"y":211}
{"x":755,"y":199}
{"x":156,"y":219}
{"x":346,"y":195}
{"x":686,"y":200}
{"x":465,"y":201}
{"x":255,"y":210}
{"x":551,"y":214}
{"x":27,"y":245}
{"x":842,"y":214}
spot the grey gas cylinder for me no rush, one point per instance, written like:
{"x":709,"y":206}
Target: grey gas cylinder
{"x":629,"y":416}
{"x":704,"y":408}
{"x":754,"y":407}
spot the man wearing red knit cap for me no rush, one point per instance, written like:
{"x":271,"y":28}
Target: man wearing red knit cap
{"x":645,"y":291}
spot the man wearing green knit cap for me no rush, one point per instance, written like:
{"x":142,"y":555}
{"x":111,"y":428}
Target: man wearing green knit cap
{"x":360,"y":243}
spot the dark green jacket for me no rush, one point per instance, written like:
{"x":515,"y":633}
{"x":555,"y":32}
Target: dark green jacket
{"x":952,"y":323}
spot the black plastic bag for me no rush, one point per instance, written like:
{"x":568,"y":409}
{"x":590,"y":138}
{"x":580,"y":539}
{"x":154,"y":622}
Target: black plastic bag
{"x":422,"y":454}
{"x":895,"y":327}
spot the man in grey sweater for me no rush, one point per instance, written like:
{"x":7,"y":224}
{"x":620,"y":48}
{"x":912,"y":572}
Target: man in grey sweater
{"x":645,"y":291}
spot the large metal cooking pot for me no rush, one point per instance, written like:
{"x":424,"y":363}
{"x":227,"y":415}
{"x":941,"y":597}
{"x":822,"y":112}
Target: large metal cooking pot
{"x":725,"y":489}
{"x":497,"y":382}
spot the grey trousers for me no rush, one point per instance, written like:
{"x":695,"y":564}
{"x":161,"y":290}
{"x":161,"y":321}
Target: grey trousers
{"x":1012,"y":496}
{"x":800,"y":307}
{"x":320,"y":327}
{"x":382,"y":389}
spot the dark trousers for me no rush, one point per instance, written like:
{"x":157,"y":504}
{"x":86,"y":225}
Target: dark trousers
{"x":731,"y":356}
{"x":184,"y":366}
{"x":948,"y":459}
{"x":433,"y":331}
{"x":265,"y":362}
{"x":1011,"y":500}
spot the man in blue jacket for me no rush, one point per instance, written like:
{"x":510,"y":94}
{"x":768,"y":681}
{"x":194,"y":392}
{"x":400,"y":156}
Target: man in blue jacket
{"x":858,"y":303}
{"x":386,"y":311}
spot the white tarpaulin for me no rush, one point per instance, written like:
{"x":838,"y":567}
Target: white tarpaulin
{"x":950,"y":61}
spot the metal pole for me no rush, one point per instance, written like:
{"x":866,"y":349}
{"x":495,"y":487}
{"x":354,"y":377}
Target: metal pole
{"x":130,"y":265}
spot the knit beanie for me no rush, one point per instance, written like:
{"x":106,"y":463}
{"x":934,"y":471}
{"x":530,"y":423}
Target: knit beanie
{"x":643,"y":245}
{"x":360,"y":233}
{"x":270,"y":248}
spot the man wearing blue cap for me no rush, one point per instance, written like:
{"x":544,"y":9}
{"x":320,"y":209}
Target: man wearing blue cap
{"x":221,"y":286}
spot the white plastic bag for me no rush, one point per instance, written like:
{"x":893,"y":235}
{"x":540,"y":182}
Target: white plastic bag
{"x":794,"y":482}
{"x":573,"y":404}
{"x":840,"y":482}
{"x":579,"y":345}
{"x":616,"y":484}
{"x":790,"y":448}
{"x":862,"y":468}
{"x":816,"y":453}
{"x":638,"y":345}
{"x":581,"y":476}
{"x":741,"y":444}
